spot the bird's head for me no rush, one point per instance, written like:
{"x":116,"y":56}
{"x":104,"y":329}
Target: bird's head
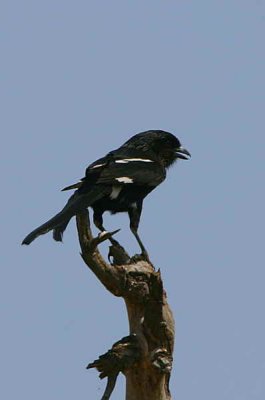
{"x":166,"y":147}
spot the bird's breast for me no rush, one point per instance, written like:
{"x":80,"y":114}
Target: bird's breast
{"x":121,"y":198}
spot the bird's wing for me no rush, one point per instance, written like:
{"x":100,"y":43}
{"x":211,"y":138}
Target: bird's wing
{"x":92,"y":173}
{"x":122,"y":169}
{"x":138,"y":171}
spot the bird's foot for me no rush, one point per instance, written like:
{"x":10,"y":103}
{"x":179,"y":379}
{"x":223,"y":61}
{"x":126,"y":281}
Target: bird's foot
{"x":141,"y":257}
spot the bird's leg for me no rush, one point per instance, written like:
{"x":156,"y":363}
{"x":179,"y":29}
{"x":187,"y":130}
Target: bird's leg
{"x":98,"y":221}
{"x":117,"y":254}
{"x":134,"y":215}
{"x":144,"y":251}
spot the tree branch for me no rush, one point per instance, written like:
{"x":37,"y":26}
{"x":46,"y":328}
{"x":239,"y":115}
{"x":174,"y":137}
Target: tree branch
{"x":145,"y":356}
{"x":122,"y":356}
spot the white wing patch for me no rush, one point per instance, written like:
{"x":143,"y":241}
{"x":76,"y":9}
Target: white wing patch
{"x":115,"y":192}
{"x":127,"y":160}
{"x":124,"y":179}
{"x":98,"y":166}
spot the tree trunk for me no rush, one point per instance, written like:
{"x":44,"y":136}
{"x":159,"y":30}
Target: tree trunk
{"x":145,"y":356}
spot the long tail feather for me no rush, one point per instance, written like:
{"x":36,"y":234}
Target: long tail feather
{"x":41,"y":230}
{"x":58,"y":231}
{"x":60,"y":221}
{"x":66,"y":214}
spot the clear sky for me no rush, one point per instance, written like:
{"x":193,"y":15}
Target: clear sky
{"x":78,"y":78}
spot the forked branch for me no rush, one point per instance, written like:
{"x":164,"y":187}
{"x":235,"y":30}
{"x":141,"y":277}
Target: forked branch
{"x":145,"y":356}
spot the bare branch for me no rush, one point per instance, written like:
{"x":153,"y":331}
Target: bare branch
{"x":93,"y":259}
{"x":145,"y":356}
{"x":119,"y":358}
{"x":122,"y":356}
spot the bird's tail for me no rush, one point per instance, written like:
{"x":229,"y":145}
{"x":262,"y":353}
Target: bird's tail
{"x":59,"y":222}
{"x":59,"y":230}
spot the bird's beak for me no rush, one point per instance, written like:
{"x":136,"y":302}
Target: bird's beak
{"x":183,"y":153}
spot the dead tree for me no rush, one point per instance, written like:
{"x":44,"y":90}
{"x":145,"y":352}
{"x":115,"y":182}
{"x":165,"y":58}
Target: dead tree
{"x":145,"y":355}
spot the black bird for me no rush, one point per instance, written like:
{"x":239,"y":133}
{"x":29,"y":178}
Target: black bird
{"x":119,"y":182}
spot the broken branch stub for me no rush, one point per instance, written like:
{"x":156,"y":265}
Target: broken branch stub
{"x":145,"y":356}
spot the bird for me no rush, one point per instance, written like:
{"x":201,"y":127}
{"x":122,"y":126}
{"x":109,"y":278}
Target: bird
{"x":119,"y":182}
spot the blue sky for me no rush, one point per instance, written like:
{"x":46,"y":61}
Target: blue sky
{"x":77,"y":80}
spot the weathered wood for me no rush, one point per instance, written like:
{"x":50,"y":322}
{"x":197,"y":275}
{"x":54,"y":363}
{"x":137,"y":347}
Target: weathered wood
{"x":145,"y":356}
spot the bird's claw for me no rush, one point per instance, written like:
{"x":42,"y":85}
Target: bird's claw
{"x":140,"y":257}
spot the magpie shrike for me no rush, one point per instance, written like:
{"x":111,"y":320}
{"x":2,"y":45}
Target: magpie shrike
{"x":119,"y":182}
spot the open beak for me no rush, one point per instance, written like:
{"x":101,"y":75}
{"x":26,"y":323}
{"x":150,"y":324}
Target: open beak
{"x":183,"y":153}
